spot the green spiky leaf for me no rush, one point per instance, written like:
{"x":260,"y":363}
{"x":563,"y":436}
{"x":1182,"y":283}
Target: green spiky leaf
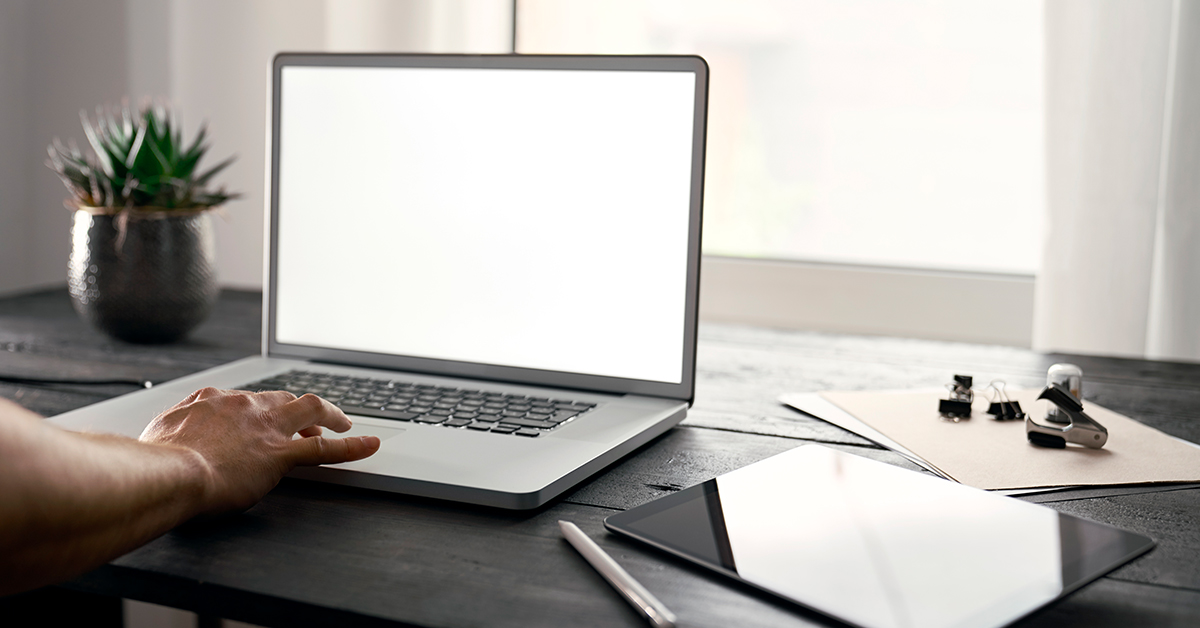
{"x":138,"y":159}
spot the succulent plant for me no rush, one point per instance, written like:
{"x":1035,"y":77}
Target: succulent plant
{"x":139,"y":160}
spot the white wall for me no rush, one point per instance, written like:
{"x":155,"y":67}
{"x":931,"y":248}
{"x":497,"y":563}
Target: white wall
{"x":14,"y":157}
{"x":210,"y":59}
{"x":55,"y":58}
{"x":76,"y":61}
{"x":220,"y":58}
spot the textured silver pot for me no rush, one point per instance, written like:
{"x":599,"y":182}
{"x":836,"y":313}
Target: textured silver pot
{"x":144,"y":275}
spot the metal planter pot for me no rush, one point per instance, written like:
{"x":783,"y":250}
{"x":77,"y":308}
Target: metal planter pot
{"x":143,"y":275}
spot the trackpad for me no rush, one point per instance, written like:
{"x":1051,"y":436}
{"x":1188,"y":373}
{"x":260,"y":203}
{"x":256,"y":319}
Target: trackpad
{"x":366,"y":429}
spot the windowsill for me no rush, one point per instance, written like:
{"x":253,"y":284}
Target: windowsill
{"x":941,"y":305}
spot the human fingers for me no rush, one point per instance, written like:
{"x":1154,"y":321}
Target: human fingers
{"x":311,"y":410}
{"x":307,"y":432}
{"x":319,"y":450}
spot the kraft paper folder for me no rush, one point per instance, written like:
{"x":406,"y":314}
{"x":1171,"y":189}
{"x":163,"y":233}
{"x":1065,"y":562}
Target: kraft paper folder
{"x":990,"y":454}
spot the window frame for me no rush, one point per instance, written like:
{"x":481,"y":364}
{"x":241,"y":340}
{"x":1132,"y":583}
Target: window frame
{"x":986,"y":308}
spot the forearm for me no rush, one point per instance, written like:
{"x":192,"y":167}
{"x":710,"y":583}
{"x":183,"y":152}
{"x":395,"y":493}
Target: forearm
{"x":70,"y":502}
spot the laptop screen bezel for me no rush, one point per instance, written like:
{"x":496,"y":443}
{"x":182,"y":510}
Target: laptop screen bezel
{"x":684,"y":390}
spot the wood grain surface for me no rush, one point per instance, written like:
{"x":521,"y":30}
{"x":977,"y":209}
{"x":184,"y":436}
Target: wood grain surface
{"x":317,"y":555}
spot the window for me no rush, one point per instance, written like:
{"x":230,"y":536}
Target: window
{"x":867,"y":132}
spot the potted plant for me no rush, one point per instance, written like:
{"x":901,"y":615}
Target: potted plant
{"x":142,"y":265}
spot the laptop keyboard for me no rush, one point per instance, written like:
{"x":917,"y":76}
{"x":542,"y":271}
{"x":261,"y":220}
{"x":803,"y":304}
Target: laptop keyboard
{"x":484,"y":411}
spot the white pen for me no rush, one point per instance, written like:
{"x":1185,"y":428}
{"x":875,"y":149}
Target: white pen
{"x":630,"y":589}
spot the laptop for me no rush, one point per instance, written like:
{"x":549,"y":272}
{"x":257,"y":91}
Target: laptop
{"x":490,"y":262}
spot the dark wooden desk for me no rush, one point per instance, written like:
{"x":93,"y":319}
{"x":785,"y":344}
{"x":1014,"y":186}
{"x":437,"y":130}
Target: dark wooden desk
{"x":311,"y":554}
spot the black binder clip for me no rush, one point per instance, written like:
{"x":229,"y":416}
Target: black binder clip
{"x":1002,"y":407}
{"x":958,"y":406}
{"x":1081,"y":430}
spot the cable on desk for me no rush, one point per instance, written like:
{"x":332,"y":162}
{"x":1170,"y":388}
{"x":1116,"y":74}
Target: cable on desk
{"x":141,"y":383}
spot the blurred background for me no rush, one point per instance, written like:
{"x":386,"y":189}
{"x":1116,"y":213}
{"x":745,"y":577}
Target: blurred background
{"x":1019,"y":172}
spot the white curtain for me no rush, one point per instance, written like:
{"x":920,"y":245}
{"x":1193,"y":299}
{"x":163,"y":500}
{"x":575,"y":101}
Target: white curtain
{"x":1121,"y":264}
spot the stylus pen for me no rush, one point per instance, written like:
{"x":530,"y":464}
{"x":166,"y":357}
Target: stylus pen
{"x":630,"y":589}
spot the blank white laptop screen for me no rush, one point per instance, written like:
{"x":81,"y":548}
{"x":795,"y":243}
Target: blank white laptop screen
{"x":525,"y":218}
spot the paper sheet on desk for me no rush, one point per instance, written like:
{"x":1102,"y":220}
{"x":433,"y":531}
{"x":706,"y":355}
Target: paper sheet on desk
{"x":991,"y":454}
{"x":817,"y":406}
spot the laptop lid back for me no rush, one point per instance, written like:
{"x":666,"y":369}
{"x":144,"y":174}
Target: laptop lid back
{"x":533,"y":219}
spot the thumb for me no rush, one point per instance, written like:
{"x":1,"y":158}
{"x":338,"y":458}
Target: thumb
{"x":317,"y":450}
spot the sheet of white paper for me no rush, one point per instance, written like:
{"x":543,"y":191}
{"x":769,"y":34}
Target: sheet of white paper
{"x":815,"y":405}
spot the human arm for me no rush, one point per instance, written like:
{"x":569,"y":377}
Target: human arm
{"x":70,"y":501}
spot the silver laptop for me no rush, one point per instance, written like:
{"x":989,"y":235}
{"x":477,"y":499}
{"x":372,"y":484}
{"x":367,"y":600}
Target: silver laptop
{"x":490,"y":262}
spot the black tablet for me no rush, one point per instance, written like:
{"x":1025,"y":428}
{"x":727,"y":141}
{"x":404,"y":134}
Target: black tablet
{"x":878,"y":546}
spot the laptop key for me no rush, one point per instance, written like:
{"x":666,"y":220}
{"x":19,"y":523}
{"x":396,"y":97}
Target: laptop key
{"x":528,"y":432}
{"x":527,"y":423}
{"x":457,"y":422}
{"x":378,"y":412}
{"x":504,"y":429}
{"x":483,"y":427}
{"x":430,"y":418}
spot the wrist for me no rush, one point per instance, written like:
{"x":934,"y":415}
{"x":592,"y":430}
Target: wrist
{"x":197,"y":481}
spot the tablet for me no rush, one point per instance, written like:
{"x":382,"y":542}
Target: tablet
{"x":878,"y":546}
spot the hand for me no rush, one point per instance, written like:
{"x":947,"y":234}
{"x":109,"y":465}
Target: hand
{"x":245,"y":440}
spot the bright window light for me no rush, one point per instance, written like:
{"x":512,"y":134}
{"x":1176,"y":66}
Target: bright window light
{"x":874,"y":132}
